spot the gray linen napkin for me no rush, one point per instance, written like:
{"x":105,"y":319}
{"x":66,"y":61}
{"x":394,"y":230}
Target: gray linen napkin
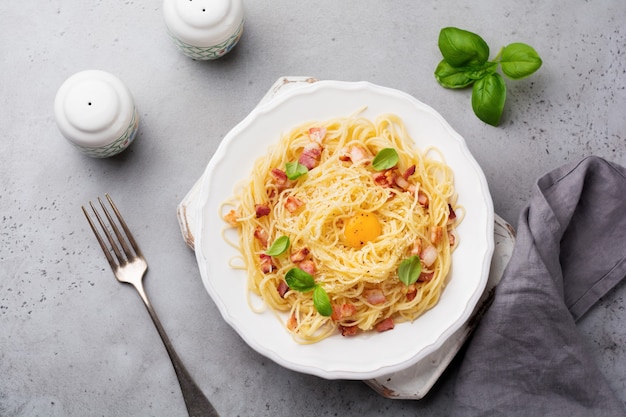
{"x":526,"y":357}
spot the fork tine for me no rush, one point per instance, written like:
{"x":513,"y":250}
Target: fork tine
{"x":120,"y":238}
{"x":99,"y":238}
{"x":120,"y":258}
{"x":129,"y":235}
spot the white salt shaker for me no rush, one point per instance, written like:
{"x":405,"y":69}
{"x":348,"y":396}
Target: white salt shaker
{"x":204,"y":29}
{"x":95,"y":111}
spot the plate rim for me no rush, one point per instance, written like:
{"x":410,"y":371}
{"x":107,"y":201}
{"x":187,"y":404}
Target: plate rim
{"x":270,"y":105}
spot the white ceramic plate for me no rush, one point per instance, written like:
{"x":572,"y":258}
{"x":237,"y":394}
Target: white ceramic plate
{"x":367,"y":355}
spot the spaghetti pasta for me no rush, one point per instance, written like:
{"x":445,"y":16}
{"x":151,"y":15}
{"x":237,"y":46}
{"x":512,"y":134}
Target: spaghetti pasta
{"x":349,"y":225}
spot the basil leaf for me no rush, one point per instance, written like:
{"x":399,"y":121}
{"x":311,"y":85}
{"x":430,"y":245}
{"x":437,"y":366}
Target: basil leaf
{"x":386,"y":158}
{"x":279,"y":246}
{"x":519,"y":61}
{"x":455,"y":77}
{"x":410,"y":270}
{"x":488,"y":97}
{"x":452,"y":77}
{"x":299,"y":280}
{"x":476,"y":73}
{"x":295,"y":170}
{"x":321,"y":301}
{"x":461,"y":48}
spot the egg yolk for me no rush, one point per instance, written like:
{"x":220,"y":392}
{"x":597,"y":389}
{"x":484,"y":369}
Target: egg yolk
{"x":361,"y":228}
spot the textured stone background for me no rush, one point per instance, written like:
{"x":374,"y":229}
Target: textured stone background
{"x":73,"y":342}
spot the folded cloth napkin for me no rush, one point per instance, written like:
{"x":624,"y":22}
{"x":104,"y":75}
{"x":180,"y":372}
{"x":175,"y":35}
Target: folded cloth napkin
{"x":526,"y":358}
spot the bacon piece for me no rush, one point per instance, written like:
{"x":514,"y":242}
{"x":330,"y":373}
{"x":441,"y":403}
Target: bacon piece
{"x":451,"y":238}
{"x":292,"y":322}
{"x":402,"y":183}
{"x":385,"y":325}
{"x":422,"y":198}
{"x":262,"y":236}
{"x":343,"y":311}
{"x":416,"y":249}
{"x":262,"y":210}
{"x":426,"y":276}
{"x":267,"y":265}
{"x":311,"y":155}
{"x":452,"y":215}
{"x":375,"y":296}
{"x":429,"y":255}
{"x":410,"y":171}
{"x":317,"y":134}
{"x":356,"y":154}
{"x":280,"y":179}
{"x":348,"y":330}
{"x":299,"y":255}
{"x":308,"y":266}
{"x":436,"y":234}
{"x":282,"y":288}
{"x":385,"y":178}
{"x":411,"y":292}
{"x":292,"y":204}
{"x":231,"y":218}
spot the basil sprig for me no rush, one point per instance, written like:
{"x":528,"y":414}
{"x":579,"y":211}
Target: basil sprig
{"x":279,"y":246}
{"x":385,"y":158}
{"x":466,"y":62}
{"x":302,"y":281}
{"x":410,"y":270}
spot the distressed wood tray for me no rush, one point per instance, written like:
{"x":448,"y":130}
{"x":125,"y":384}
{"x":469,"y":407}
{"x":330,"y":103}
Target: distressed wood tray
{"x":415,"y":381}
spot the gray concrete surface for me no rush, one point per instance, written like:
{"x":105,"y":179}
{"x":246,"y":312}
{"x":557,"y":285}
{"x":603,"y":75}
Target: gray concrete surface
{"x":73,"y":342}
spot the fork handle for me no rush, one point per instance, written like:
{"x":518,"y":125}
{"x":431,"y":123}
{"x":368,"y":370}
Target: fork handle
{"x":197,"y":403}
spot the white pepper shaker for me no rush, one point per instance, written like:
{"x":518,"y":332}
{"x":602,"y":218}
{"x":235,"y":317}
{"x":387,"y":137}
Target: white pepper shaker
{"x":204,"y":29}
{"x":96,"y":112}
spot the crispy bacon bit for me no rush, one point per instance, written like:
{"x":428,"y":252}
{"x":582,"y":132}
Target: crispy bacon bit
{"x":451,"y":238}
{"x":343,"y":311}
{"x":426,"y":276}
{"x":375,"y":296}
{"x":292,"y":322}
{"x":317,"y":134}
{"x":267,"y":265}
{"x":385,"y":325}
{"x":410,"y":171}
{"x":308,"y":266}
{"x":385,"y":178}
{"x":262,"y":236}
{"x":280,"y":179}
{"x":429,"y":255}
{"x":231,"y":218}
{"x":416,"y":249}
{"x":311,"y":155}
{"x":348,"y":330}
{"x":262,"y":210}
{"x":422,"y":198}
{"x":282,"y":288}
{"x":402,"y":183}
{"x":292,"y":204}
{"x":356,"y":154}
{"x":436,"y":234}
{"x":299,"y":255}
{"x":452,"y":215}
{"x":411,"y":292}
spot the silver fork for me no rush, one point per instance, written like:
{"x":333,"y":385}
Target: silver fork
{"x":129,"y":266}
